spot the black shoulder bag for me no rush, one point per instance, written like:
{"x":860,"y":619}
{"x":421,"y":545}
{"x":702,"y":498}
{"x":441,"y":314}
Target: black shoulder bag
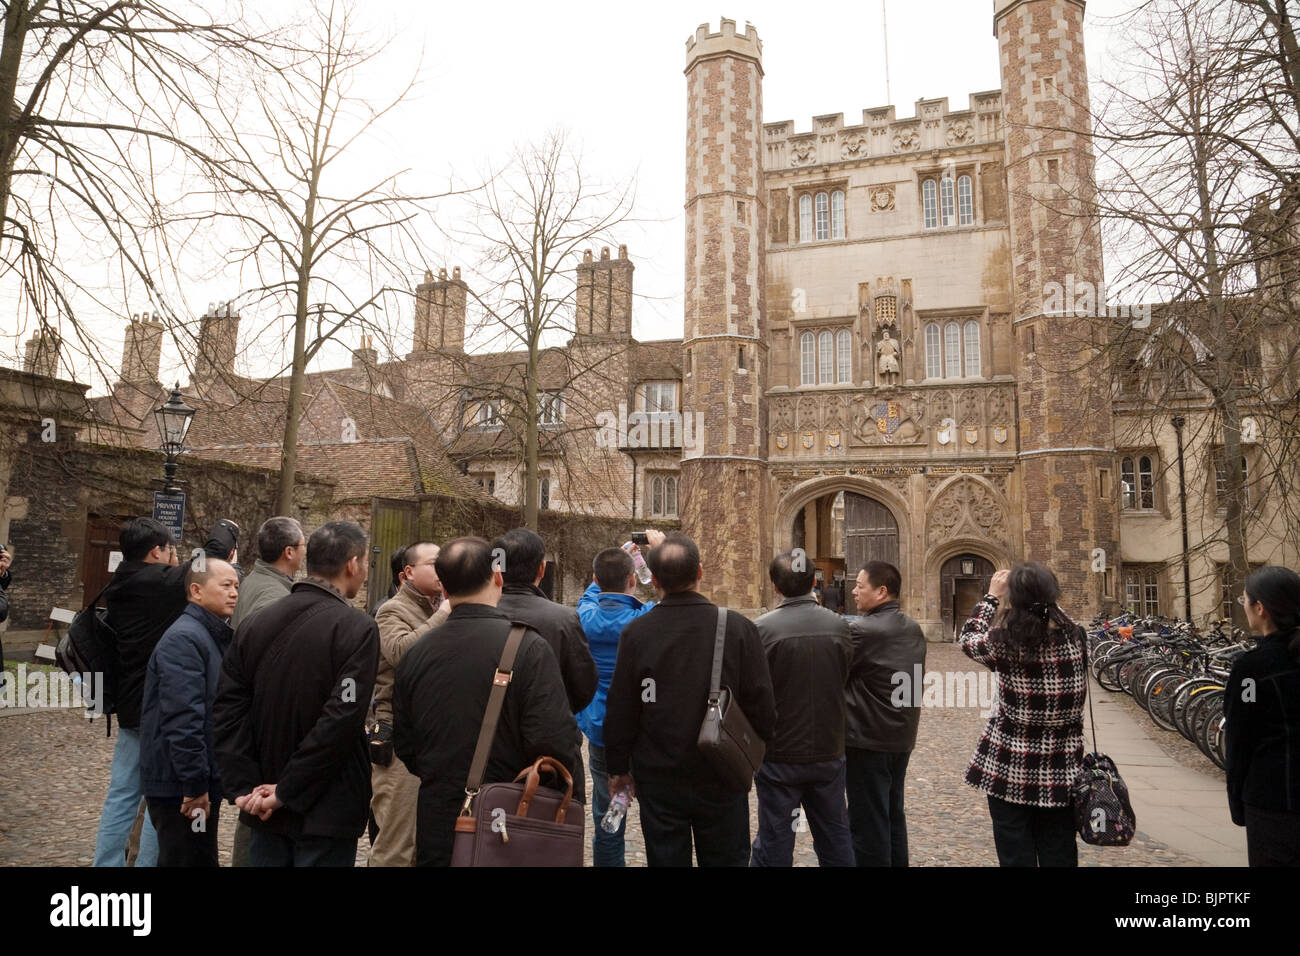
{"x":727,"y":739}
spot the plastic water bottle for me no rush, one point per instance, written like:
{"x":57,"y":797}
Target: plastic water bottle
{"x":613,"y":817}
{"x":642,"y":571}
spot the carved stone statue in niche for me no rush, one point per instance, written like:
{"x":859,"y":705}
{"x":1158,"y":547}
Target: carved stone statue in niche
{"x":888,"y":364}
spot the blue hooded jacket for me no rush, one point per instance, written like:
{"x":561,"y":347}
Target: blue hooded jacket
{"x":604,"y":614}
{"x":177,"y":758}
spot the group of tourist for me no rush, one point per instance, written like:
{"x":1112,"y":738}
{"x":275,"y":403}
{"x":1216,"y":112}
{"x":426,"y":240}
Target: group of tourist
{"x":274,"y":692}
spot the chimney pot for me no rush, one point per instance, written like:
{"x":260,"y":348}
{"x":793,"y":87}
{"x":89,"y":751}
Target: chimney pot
{"x":604,"y":253}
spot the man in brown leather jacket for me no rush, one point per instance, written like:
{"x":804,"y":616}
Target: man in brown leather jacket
{"x":415,"y":609}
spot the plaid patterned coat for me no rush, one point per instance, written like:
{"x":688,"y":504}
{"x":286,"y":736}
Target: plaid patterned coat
{"x":1033,"y":744}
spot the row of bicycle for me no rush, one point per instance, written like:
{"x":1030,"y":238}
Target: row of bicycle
{"x":1174,"y":671}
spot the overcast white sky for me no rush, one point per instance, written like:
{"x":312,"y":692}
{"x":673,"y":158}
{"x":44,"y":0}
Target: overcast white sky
{"x":495,"y":74}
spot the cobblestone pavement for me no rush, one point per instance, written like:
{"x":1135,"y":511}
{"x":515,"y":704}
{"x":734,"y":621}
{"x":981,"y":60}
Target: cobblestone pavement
{"x":56,"y":767}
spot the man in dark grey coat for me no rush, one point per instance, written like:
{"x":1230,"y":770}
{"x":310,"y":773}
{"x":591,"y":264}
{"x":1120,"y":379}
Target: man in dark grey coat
{"x":440,"y":696}
{"x":880,"y":734}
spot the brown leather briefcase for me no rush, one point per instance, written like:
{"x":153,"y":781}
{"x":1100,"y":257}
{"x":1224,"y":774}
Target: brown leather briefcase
{"x":521,"y":823}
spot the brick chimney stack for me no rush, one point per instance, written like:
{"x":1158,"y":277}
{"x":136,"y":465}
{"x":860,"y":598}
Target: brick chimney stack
{"x":41,"y":355}
{"x":142,"y":350}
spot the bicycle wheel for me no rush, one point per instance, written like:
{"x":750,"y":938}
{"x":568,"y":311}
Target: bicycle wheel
{"x":1211,"y":731}
{"x":1200,"y":719}
{"x":1138,"y":680}
{"x":1217,"y":740}
{"x":1108,"y":676}
{"x":1160,"y":697}
{"x":1183,"y":698}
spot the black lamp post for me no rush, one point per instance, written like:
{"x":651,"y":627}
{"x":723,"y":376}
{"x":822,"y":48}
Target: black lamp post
{"x":173,"y":424}
{"x":1178,"y":422}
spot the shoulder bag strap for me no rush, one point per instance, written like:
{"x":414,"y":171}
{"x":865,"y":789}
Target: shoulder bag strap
{"x":1087,"y":692}
{"x":715,"y":680}
{"x":488,"y":730}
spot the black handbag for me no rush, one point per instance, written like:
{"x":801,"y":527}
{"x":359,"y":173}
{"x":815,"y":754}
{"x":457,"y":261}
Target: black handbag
{"x":727,"y":739}
{"x":1103,"y":815}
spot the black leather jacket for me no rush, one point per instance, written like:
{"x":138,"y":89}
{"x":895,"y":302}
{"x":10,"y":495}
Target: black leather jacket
{"x":562,"y":629}
{"x":809,"y":650}
{"x":886,"y":642}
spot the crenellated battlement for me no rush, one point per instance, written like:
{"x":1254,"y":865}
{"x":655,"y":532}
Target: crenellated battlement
{"x":882,"y":133}
{"x":726,"y":40}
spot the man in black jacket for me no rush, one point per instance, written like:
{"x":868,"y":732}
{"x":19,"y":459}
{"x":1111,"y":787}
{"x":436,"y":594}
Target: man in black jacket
{"x":290,"y":712}
{"x":441,"y":693}
{"x":656,"y":704}
{"x":147,"y":593}
{"x":880,"y":734}
{"x":801,"y":782}
{"x":520,"y":553}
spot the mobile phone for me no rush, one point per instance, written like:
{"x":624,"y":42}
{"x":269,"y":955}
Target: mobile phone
{"x":640,"y":538}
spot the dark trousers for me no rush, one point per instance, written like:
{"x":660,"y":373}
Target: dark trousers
{"x":792,"y":796}
{"x":183,"y":841}
{"x":272,"y":849}
{"x":239,"y":849}
{"x":1033,"y":836}
{"x":876,"y":818}
{"x":606,"y":848}
{"x":1272,"y":837}
{"x":674,"y":811}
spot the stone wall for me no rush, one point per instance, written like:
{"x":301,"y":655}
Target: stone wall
{"x":55,"y":488}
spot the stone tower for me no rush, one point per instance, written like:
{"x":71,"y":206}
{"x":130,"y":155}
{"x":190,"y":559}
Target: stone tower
{"x":726,"y":498}
{"x":1067,"y":460}
{"x":218,"y":341}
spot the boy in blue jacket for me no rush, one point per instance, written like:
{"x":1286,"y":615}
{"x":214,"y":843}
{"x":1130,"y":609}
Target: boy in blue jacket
{"x":606,"y":607}
{"x":178,"y":764}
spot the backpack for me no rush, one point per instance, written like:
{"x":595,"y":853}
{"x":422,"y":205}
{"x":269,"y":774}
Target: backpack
{"x":89,"y":649}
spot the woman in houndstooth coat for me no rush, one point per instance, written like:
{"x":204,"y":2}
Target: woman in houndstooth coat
{"x":1032,"y":747}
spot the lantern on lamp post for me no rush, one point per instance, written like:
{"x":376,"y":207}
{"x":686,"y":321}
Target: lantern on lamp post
{"x":173,"y":421}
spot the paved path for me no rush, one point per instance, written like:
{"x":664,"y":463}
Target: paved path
{"x":56,"y":770}
{"x":1181,"y":802}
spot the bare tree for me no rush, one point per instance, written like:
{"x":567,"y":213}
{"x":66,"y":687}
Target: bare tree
{"x":532,"y":222}
{"x":322,"y":247}
{"x":1198,"y":145}
{"x":103,"y":116}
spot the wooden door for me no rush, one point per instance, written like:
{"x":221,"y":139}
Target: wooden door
{"x":960,"y":591}
{"x":101,"y":541}
{"x":870,"y":533}
{"x":393,"y":524}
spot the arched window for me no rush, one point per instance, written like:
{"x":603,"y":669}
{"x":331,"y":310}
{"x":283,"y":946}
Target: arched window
{"x":1128,"y":484}
{"x":1146,"y":484}
{"x":965,"y":203}
{"x":544,"y":493}
{"x":843,"y":356}
{"x":837,"y":214}
{"x":805,"y":218}
{"x":663,"y":496}
{"x":657,"y":496}
{"x":930,"y":203}
{"x":933,"y":351}
{"x":952,"y":350}
{"x":807,"y":359}
{"x":670,"y":496}
{"x":825,"y":358}
{"x":823,"y":217}
{"x":972,"y":344}
{"x":945,"y":200}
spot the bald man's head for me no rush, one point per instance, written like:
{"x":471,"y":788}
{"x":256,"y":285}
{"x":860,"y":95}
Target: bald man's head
{"x":213,"y":585}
